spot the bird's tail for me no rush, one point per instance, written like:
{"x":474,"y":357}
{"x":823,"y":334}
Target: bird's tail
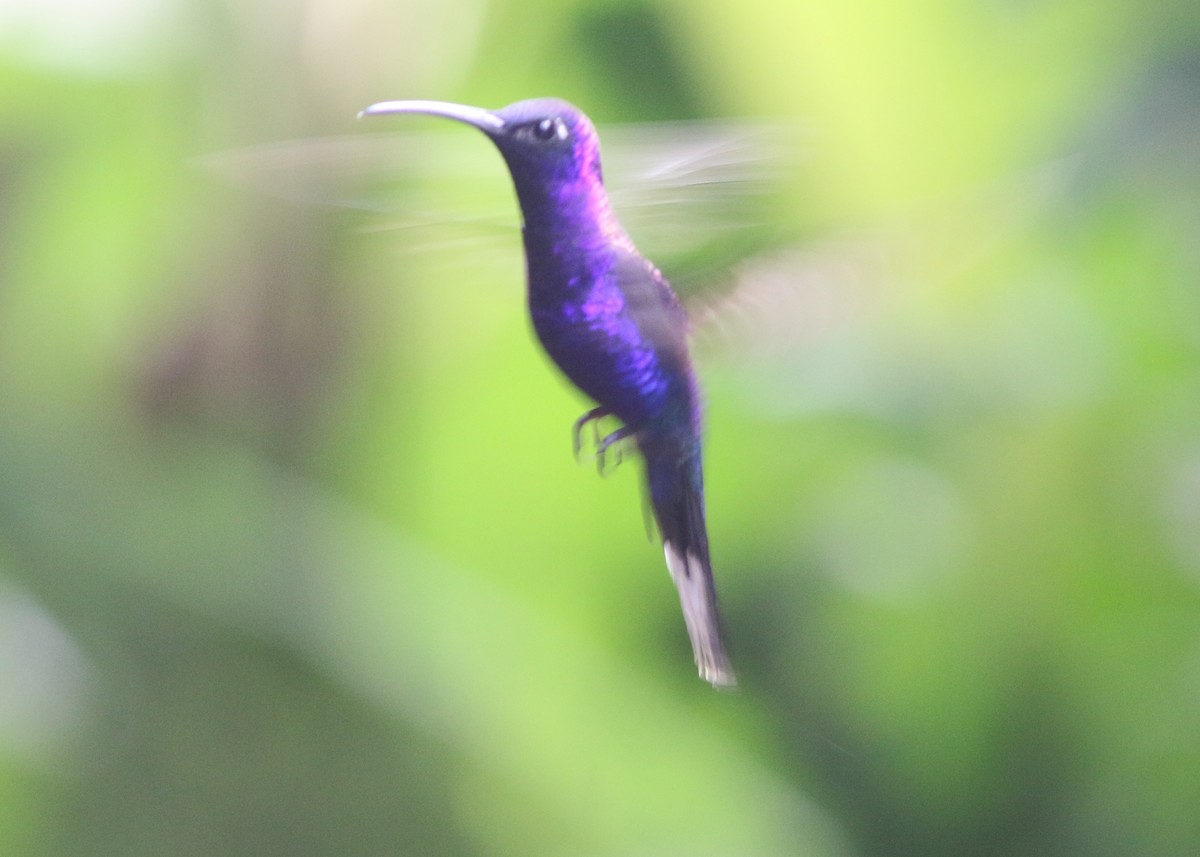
{"x":676,"y":487}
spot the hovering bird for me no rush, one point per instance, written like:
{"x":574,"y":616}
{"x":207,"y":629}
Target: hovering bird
{"x":612,"y":323}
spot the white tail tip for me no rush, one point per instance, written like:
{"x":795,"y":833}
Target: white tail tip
{"x":699,"y":601}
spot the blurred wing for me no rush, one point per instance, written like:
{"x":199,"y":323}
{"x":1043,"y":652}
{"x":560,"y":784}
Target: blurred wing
{"x":786,"y":296}
{"x":714,"y":204}
{"x":443,"y":188}
{"x":696,"y":196}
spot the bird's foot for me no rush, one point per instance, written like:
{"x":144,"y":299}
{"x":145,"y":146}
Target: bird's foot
{"x":605,"y":463}
{"x":602,"y":450}
{"x":593,"y":416}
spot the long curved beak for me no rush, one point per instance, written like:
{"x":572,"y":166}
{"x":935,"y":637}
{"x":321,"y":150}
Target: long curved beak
{"x":484,"y":120}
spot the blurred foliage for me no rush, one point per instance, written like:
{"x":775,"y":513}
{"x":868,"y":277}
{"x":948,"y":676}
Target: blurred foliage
{"x":293,"y":555}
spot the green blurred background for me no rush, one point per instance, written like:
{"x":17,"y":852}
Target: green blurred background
{"x":294,"y":559}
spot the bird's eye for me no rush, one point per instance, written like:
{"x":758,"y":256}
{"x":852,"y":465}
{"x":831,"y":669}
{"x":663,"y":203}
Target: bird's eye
{"x":550,"y":129}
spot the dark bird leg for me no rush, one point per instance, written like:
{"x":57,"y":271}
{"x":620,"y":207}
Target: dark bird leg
{"x":593,"y":416}
{"x":602,"y":449}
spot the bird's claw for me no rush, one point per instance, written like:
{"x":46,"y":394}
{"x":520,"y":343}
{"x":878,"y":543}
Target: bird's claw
{"x":602,"y":445}
{"x":593,"y":416}
{"x":602,"y":450}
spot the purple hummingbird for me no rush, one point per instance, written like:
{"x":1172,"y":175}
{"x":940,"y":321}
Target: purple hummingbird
{"x":613,"y":325}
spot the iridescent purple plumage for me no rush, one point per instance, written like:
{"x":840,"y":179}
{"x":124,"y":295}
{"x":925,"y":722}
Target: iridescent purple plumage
{"x":604,"y":314}
{"x":612,"y":324}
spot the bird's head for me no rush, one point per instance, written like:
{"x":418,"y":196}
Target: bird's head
{"x":550,"y":146}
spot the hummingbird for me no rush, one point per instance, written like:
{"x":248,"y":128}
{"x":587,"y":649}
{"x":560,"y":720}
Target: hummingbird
{"x":613,"y":325}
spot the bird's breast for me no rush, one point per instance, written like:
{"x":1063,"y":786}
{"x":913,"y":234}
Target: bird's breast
{"x":600,"y":348}
{"x":607,"y":339}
